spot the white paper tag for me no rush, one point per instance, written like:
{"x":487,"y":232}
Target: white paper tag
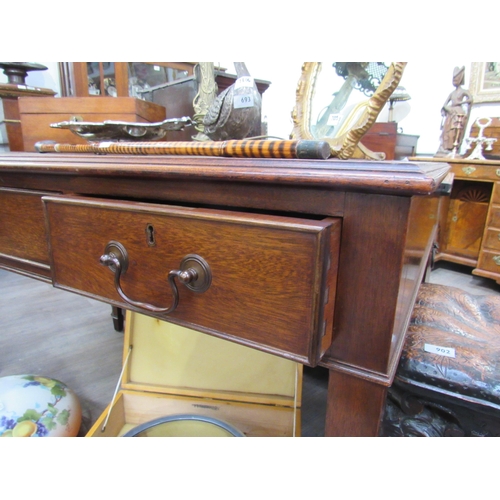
{"x":244,"y":81}
{"x":243,"y":101}
{"x":333,"y":120}
{"x":443,"y":351}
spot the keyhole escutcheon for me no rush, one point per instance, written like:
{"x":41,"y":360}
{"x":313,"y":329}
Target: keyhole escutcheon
{"x":150,"y":235}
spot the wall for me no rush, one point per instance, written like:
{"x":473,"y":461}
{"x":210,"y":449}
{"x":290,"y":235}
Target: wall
{"x":428,"y":83}
{"x":48,"y":79}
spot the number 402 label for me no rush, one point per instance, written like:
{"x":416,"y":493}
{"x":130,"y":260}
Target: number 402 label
{"x":243,"y":101}
{"x":443,"y":351}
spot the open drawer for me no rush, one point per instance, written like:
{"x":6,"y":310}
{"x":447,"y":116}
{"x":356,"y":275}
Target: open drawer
{"x":257,"y":279}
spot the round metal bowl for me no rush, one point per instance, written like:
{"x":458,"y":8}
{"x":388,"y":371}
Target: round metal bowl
{"x":184,"y":426}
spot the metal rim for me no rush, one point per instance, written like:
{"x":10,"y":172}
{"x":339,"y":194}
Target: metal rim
{"x":174,"y":418}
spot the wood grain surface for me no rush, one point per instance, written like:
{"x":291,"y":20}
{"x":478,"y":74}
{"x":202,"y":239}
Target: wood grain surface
{"x":268,"y":271}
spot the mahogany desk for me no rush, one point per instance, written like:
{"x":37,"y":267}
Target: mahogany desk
{"x":317,"y":261}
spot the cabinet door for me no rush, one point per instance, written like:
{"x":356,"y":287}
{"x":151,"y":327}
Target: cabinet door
{"x":468,"y":209}
{"x":120,"y":79}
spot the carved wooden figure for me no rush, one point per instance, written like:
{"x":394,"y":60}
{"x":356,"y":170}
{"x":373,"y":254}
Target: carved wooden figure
{"x":455,"y":112}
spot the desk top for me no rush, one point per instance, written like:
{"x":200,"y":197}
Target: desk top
{"x":401,"y":178}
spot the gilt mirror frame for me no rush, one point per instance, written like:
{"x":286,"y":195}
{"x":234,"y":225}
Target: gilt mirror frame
{"x":346,"y":145}
{"x":482,"y":87}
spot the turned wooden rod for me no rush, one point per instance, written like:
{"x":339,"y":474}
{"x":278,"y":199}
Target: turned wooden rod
{"x":234,"y":148}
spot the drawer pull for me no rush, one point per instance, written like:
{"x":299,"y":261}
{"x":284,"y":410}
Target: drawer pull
{"x":496,"y":259}
{"x":194,"y":273}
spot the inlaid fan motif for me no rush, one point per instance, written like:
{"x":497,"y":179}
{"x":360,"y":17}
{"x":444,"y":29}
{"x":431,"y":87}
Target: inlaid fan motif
{"x":477,"y":194}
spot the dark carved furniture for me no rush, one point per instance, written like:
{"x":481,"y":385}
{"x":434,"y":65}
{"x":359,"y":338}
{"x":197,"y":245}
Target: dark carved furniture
{"x":448,"y":379}
{"x":317,"y":261}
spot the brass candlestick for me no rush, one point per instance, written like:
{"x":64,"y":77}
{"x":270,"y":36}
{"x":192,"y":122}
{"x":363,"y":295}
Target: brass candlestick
{"x":480,"y":140}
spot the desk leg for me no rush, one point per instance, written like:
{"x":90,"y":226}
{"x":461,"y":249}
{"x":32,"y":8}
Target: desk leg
{"x":118,"y":317}
{"x":354,"y":407}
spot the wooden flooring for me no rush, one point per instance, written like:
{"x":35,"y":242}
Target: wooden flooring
{"x":71,"y":338}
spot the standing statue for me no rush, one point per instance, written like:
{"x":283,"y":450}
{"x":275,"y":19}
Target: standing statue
{"x":455,"y":112}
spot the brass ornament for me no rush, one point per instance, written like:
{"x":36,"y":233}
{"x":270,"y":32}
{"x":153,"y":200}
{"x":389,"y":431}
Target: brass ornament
{"x":468,"y":170}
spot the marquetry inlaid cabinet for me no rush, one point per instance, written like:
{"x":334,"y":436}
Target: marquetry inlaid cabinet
{"x":469,"y":225}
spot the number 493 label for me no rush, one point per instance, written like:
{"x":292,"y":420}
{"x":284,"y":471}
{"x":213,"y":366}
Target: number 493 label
{"x":243,"y":101}
{"x":443,"y":351}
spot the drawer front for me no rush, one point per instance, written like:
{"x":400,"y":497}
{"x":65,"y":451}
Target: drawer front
{"x":269,"y":274}
{"x":492,"y":239}
{"x":489,"y":261}
{"x":495,"y":197}
{"x":23,"y":242}
{"x":494,"y":218}
{"x":475,"y":171}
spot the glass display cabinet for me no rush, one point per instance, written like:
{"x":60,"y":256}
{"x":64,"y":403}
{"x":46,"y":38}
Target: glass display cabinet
{"x":119,"y":79}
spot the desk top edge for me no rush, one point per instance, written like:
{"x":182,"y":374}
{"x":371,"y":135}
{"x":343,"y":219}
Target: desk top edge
{"x":405,"y":178}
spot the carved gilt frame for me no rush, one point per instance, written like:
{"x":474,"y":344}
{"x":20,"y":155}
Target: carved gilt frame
{"x":476,"y":87}
{"x":348,"y":144}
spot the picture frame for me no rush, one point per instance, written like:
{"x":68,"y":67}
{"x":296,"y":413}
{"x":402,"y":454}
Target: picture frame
{"x":485,"y":82}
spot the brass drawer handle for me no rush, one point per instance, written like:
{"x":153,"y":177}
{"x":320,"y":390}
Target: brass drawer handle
{"x":496,"y":259}
{"x":194,"y":273}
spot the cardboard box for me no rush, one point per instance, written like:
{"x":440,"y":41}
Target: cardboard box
{"x":175,"y":370}
{"x":37,"y":113}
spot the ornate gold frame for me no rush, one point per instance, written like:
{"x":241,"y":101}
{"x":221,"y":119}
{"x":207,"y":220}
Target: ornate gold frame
{"x":347,"y":145}
{"x":476,"y":87}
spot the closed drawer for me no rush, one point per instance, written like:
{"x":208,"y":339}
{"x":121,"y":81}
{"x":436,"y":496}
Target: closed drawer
{"x":270,"y":284}
{"x":495,"y":197}
{"x":476,"y":171}
{"x":23,"y":242}
{"x":492,"y":239}
{"x":494,"y":218}
{"x":489,"y":261}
